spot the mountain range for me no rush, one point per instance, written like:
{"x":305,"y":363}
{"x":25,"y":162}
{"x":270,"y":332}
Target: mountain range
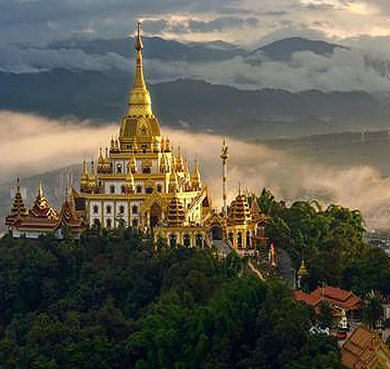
{"x":101,"y":95}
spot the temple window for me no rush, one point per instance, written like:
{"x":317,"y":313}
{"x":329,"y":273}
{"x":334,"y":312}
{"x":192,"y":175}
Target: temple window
{"x":231,"y":237}
{"x":121,"y":209}
{"x":112,"y":189}
{"x":144,"y":148}
{"x":95,"y":209}
{"x":149,"y":189}
{"x":108,"y":209}
{"x":159,"y":188}
{"x":187,"y":240}
{"x":119,"y":168}
{"x":123,"y":189}
{"x":146,"y":170}
{"x":239,"y":240}
{"x":135,"y":222}
{"x":139,"y":189}
{"x":172,"y":240}
{"x":134,"y":209}
{"x":108,"y":223}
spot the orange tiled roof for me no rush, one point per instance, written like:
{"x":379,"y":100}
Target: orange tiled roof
{"x":336,"y":296}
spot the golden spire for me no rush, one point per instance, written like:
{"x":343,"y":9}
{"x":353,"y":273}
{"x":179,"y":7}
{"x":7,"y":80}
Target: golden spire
{"x":302,"y":270}
{"x":138,"y":40}
{"x":140,"y":102}
{"x":179,"y":161}
{"x":84,"y":181}
{"x":196,"y":182}
{"x":100,"y":167}
{"x":93,"y":179}
{"x":40,"y":192}
{"x":106,"y":162}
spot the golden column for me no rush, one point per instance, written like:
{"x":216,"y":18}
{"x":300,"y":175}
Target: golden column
{"x":224,"y":157}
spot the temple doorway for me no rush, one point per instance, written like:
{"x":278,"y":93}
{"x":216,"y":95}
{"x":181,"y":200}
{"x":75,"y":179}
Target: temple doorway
{"x":216,"y":232}
{"x":155,"y":215}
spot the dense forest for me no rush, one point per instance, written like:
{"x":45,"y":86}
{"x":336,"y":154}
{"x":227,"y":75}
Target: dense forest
{"x":113,"y":300}
{"x":331,"y":241}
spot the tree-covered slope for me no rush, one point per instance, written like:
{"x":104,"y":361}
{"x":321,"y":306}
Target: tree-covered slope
{"x":112,"y":301}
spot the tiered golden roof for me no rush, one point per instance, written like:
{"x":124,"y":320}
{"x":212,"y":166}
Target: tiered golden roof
{"x":175,"y":213}
{"x":239,"y":213}
{"x":18,"y":208}
{"x":41,"y":207}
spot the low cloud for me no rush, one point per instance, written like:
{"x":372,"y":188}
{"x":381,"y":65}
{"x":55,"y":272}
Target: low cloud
{"x":345,"y":70}
{"x":34,"y":60}
{"x":32,"y":145}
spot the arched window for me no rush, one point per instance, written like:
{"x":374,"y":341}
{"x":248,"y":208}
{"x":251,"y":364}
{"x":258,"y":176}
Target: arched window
{"x":108,"y":223}
{"x":121,"y":209}
{"x":119,"y":168}
{"x":112,"y":189}
{"x":123,"y":189}
{"x":135,"y":222}
{"x":149,"y":189}
{"x":95,"y":209}
{"x":187,"y":240}
{"x":159,"y":188}
{"x":134,"y":209}
{"x":108,"y":209}
{"x":172,"y":240}
{"x":146,"y":170}
{"x":239,"y":240}
{"x":139,"y":189}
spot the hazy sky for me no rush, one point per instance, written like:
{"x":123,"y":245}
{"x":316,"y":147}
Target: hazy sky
{"x":244,"y":21}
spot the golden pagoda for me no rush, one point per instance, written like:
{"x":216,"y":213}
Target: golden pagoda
{"x":141,"y":178}
{"x":141,"y":183}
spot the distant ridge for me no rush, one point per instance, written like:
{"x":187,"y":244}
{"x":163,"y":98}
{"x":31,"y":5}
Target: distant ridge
{"x":283,"y":49}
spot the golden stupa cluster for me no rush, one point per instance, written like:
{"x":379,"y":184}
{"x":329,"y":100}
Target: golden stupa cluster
{"x":140,"y":181}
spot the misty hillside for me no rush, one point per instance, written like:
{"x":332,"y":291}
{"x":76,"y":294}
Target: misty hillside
{"x":168,"y":50}
{"x":193,"y":104}
{"x":285,"y":48}
{"x":155,"y":48}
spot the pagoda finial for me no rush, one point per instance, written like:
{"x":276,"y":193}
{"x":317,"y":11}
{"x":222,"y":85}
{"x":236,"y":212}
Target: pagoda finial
{"x":40,"y":193}
{"x":18,"y":184}
{"x":138,"y":40}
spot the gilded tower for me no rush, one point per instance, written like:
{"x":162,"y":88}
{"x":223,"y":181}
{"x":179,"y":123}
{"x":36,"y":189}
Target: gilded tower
{"x":140,"y":175}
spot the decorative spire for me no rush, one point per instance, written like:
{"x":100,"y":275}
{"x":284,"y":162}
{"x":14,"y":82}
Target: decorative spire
{"x":196,"y":181}
{"x":138,"y":40}
{"x":179,"y":161}
{"x":84,"y":180}
{"x":40,"y":192}
{"x":106,"y":162}
{"x":173,"y":184}
{"x":140,"y":102}
{"x":18,"y":208}
{"x":100,"y":167}
{"x":92,"y":178}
